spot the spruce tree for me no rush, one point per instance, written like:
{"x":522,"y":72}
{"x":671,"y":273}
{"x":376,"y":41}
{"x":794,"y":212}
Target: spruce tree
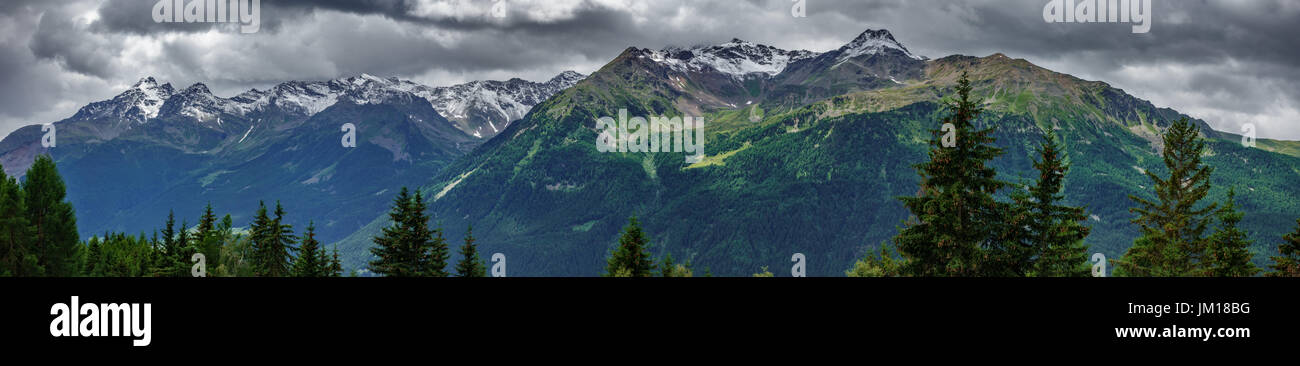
{"x":1056,"y":230}
{"x":1287,"y":262}
{"x":94,"y":257}
{"x":169,"y":234}
{"x":164,"y":256}
{"x":310,"y":262}
{"x":207,"y":223}
{"x":208,"y":237}
{"x":17,"y":257}
{"x":426,"y":245}
{"x":54,"y":222}
{"x":1228,"y":254}
{"x":184,"y":249}
{"x":632,"y":257}
{"x":258,"y":231}
{"x":470,"y":264}
{"x":276,"y":254}
{"x":272,"y":242}
{"x":955,"y":214}
{"x":1171,"y":228}
{"x":335,"y":267}
{"x":393,"y":254}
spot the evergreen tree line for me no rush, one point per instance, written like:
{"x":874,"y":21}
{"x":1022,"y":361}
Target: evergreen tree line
{"x":265,"y":249}
{"x":38,"y":237}
{"x":959,"y":228}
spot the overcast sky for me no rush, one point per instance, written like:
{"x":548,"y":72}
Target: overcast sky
{"x":1229,"y":62}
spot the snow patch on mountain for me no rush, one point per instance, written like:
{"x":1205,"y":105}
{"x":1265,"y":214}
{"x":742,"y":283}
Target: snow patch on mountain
{"x":138,"y":104}
{"x":736,"y":58}
{"x":470,"y":106}
{"x":872,"y":42}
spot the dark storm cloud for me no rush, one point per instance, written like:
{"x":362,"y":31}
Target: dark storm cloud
{"x":1229,"y":62}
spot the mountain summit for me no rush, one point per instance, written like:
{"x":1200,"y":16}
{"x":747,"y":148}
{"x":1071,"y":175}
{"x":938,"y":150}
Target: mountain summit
{"x":137,"y":104}
{"x":736,"y":58}
{"x":873,"y":42}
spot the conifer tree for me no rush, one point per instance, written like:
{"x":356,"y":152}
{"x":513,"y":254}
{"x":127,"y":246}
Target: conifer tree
{"x":207,"y":223}
{"x":164,"y":257}
{"x":1228,"y":254}
{"x":1171,"y":228}
{"x":93,"y":257}
{"x":184,"y":248}
{"x":335,"y":268}
{"x":632,"y":257}
{"x":54,"y":222}
{"x":955,"y":214}
{"x":1287,"y":262}
{"x":259,"y":234}
{"x":1056,"y":230}
{"x":169,"y":233}
{"x":272,"y":242}
{"x":208,"y":237}
{"x":427,"y":246}
{"x":396,"y":251}
{"x":310,"y":262}
{"x":17,"y":258}
{"x":470,"y":264}
{"x":277,"y":254}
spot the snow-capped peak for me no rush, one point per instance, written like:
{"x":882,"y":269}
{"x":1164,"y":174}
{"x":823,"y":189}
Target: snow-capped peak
{"x":737,"y":58}
{"x":480,"y":108}
{"x":198,"y":102}
{"x":567,"y":78}
{"x":484,"y":108}
{"x":197,"y":88}
{"x":136,"y":104}
{"x":873,"y":42}
{"x":145,"y":82}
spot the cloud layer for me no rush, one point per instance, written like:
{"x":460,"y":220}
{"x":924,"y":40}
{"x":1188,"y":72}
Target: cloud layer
{"x":1229,"y":62}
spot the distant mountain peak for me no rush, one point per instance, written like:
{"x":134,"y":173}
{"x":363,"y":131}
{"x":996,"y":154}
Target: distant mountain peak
{"x":197,"y":88}
{"x":484,"y":108}
{"x":568,"y":77}
{"x":145,"y":82}
{"x":137,"y":104}
{"x":737,"y":58}
{"x":872,"y":42}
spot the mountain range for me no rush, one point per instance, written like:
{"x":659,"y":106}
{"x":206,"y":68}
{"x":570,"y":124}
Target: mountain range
{"x":152,"y":148}
{"x":805,"y":152}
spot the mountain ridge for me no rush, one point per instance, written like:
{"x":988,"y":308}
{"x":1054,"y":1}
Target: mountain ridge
{"x":813,"y":164}
{"x":130,"y":159}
